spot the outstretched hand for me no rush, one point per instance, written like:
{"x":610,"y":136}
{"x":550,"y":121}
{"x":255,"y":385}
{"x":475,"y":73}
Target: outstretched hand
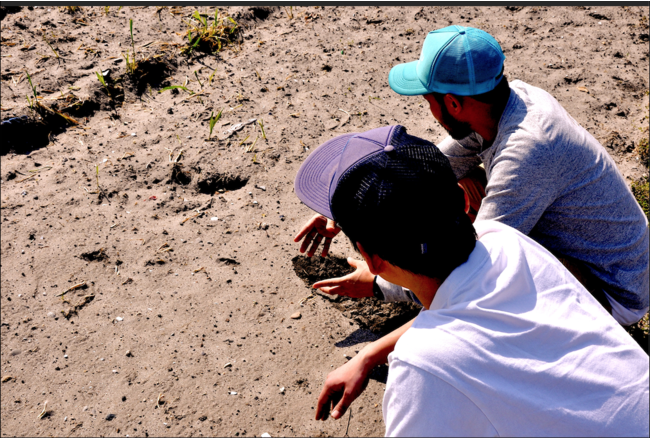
{"x":342,"y":387}
{"x":347,"y":382}
{"x":357,"y":284}
{"x":317,"y":228}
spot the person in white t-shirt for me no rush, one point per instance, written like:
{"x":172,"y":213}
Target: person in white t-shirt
{"x":508,"y":342}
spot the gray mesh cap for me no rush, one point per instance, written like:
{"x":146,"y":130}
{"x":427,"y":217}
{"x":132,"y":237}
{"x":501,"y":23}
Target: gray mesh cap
{"x":383,"y":172}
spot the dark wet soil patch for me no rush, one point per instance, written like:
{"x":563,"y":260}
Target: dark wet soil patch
{"x":94,"y":256}
{"x":216,"y":181}
{"x":228,"y":262}
{"x":152,"y":72}
{"x":370,"y":313}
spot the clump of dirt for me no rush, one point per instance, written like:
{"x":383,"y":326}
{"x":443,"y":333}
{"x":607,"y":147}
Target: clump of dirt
{"x":214,"y":182}
{"x":94,"y":256}
{"x":77,"y":107}
{"x":227,"y":261}
{"x":370,"y":313}
{"x":110,"y":94}
{"x":74,"y":310}
{"x":248,"y":16}
{"x":617,"y":142}
{"x":313,"y":269}
{"x":180,"y":176}
{"x":151,"y":72}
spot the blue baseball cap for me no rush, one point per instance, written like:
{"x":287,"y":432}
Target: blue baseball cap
{"x":364,"y":170}
{"x":459,"y":60}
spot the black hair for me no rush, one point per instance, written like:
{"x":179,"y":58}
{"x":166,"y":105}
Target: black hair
{"x":409,"y":211}
{"x":437,"y":249}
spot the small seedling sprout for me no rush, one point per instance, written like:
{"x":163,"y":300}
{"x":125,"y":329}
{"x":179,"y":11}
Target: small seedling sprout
{"x":261,"y":123}
{"x":56,"y":54}
{"x":131,"y":62}
{"x":33,"y":101}
{"x":251,"y":148}
{"x":172,"y":87}
{"x":29,"y":78}
{"x":102,"y":81}
{"x":132,"y":40}
{"x":197,"y":78}
{"x":289,"y":12}
{"x":242,"y":142}
{"x":214,"y":120}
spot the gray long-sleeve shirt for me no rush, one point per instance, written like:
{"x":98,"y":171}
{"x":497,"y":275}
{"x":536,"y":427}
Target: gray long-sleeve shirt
{"x":549,"y":178}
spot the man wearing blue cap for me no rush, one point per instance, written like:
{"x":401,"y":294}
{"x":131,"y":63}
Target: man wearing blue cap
{"x":546,"y":175}
{"x":508,"y":343}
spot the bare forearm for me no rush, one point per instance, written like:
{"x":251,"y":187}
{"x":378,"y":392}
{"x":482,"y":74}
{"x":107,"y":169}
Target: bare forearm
{"x":377,"y":353}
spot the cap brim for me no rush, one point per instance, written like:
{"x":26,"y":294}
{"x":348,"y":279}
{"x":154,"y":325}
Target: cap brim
{"x":403,"y":79}
{"x":312,"y":184}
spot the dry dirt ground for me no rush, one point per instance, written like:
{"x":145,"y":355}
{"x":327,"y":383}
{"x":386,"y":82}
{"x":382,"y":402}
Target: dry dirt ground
{"x":147,"y":291}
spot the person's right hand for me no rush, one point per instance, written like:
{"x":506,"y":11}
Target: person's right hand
{"x":357,"y":284}
{"x":343,"y":386}
{"x":319,"y":227}
{"x":347,"y":382}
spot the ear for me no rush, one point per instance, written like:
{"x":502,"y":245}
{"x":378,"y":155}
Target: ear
{"x":454,"y":107}
{"x":467,"y":204}
{"x":374,"y":262}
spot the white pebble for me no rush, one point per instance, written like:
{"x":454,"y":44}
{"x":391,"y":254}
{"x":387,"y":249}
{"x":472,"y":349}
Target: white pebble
{"x":115,"y":371}
{"x":233,"y":393}
{"x":119,"y":318}
{"x":282,"y":390}
{"x":214,"y":218}
{"x":65,"y":356}
{"x":265,"y":435}
{"x":133,"y":134}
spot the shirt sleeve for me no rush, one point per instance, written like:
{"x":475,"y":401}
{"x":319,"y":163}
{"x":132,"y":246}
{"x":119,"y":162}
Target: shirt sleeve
{"x":417,"y":403}
{"x":523,"y":182}
{"x":392,"y":292}
{"x":463,"y":155}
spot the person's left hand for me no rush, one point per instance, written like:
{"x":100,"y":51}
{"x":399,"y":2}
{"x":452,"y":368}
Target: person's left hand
{"x":357,"y":284}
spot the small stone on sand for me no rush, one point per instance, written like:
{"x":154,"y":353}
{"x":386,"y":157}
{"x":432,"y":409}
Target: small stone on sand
{"x":296,"y":315}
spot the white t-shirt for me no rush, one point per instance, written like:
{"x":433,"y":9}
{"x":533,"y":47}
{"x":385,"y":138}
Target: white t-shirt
{"x":514,"y":345}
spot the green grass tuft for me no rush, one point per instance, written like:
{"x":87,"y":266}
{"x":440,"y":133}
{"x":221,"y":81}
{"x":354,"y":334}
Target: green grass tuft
{"x":209,"y":38}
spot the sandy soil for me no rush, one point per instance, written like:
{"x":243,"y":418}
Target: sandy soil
{"x":183,"y":325}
